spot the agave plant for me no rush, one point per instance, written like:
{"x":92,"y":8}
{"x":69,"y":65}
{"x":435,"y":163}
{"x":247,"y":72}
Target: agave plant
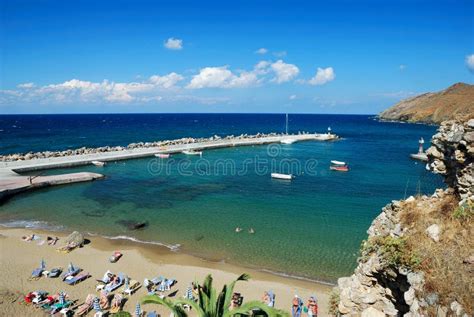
{"x":209,"y":304}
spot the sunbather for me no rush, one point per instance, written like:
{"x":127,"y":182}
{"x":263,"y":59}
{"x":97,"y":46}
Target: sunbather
{"x":29,"y":237}
{"x":116,"y":304}
{"x":52,"y":241}
{"x":116,"y":282}
{"x":73,"y":280}
{"x":86,"y":307}
{"x":104,"y":299}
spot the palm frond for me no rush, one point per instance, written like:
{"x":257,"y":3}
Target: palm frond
{"x":247,"y":307}
{"x":177,"y":310}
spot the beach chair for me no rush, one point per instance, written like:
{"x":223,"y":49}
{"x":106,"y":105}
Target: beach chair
{"x":113,"y":285}
{"x":86,"y":307}
{"x":36,"y":274}
{"x":117,"y":302}
{"x":73,"y":280}
{"x":130,"y":287}
{"x":71,"y":271}
{"x":55,"y":272}
{"x":169,"y":283}
{"x":106,"y":279}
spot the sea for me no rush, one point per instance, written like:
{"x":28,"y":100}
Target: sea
{"x":310,"y":227}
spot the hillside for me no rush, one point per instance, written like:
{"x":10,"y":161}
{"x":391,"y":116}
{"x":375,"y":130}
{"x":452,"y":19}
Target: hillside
{"x":418,"y":259}
{"x":455,"y":102}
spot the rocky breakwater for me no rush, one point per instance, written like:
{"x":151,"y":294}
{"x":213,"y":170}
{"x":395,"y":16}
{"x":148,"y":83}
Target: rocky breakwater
{"x":418,"y":259}
{"x":131,"y":146}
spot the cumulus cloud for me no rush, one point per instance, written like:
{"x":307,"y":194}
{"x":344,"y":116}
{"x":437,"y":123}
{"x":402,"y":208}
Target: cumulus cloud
{"x":284,"y":72}
{"x":221,"y":77}
{"x":470,"y":62}
{"x":174,"y":44}
{"x":292,"y":97}
{"x":402,"y":67}
{"x":261,"y":51}
{"x":323,"y":76}
{"x":26,"y":85}
{"x":76,"y":90}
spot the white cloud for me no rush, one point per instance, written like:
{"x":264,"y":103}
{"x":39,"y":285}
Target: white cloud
{"x":470,"y":62}
{"x":284,"y":72}
{"x":402,"y":67}
{"x":222,"y":77}
{"x":292,"y":97}
{"x":76,"y":90}
{"x":323,"y":76}
{"x":166,"y":81}
{"x":261,"y":51}
{"x":174,"y":44}
{"x":26,"y":85}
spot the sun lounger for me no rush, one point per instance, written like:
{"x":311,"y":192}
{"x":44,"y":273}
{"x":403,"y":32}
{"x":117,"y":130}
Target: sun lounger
{"x":113,"y":285}
{"x":132,"y":287}
{"x":71,"y":271}
{"x":36,"y":274}
{"x":117,"y":302}
{"x":86,"y":307}
{"x":73,"y":280}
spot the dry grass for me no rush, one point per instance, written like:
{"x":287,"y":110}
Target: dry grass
{"x":442,"y":262}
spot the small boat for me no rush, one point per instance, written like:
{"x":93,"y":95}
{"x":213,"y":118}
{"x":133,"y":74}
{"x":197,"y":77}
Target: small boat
{"x":98,"y":163}
{"x":192,"y":152}
{"x":115,"y":257}
{"x":339,"y":166}
{"x":162,"y":155}
{"x":282,"y":176}
{"x":287,"y":141}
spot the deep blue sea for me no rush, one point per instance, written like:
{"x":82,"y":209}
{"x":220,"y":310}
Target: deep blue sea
{"x":310,"y":227}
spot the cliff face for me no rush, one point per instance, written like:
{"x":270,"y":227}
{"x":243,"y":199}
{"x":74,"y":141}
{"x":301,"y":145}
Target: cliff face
{"x":418,"y":259}
{"x":454,"y":102}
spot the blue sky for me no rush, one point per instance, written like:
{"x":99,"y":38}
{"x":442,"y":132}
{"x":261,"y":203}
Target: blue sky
{"x":222,"y":56}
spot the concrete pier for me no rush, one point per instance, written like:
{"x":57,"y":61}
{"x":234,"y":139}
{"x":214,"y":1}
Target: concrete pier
{"x":11,"y":182}
{"x":14,"y":184}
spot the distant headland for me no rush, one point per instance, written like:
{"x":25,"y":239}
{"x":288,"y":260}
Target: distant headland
{"x":455,"y":102}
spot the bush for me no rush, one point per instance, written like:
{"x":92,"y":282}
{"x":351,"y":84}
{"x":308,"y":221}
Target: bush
{"x":464,"y":212}
{"x":394,"y":251}
{"x":334,"y":299}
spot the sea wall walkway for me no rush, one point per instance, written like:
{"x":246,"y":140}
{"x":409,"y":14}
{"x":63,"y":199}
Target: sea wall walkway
{"x":11,"y":182}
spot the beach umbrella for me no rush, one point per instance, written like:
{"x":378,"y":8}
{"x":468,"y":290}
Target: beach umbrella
{"x":162,"y":286}
{"x":189,"y":293}
{"x":62,"y":298}
{"x":43,"y":264}
{"x":96,"y":304}
{"x":138,"y":310}
{"x":127,"y":282}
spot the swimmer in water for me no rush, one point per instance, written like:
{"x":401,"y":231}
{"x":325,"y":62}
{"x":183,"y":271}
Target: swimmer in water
{"x":238,"y":229}
{"x":251,"y":230}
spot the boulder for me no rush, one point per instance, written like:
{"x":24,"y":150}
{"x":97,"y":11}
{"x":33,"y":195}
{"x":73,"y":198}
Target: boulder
{"x":433,"y":232}
{"x":372,"y":312}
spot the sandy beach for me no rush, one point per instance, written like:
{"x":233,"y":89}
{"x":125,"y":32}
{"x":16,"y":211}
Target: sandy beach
{"x":18,"y":258}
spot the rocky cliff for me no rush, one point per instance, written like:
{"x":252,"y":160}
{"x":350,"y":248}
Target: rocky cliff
{"x":454,"y":102}
{"x":418,"y":259}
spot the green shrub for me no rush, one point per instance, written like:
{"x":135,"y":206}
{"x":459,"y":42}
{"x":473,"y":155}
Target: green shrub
{"x":464,"y":212}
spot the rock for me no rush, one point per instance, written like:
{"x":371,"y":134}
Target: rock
{"x":409,"y":296}
{"x":469,"y":260}
{"x":470,"y":123}
{"x":372,"y":312}
{"x":433,"y":232}
{"x":416,"y":280}
{"x":432,"y":299}
{"x":456,"y":308}
{"x":343,"y":309}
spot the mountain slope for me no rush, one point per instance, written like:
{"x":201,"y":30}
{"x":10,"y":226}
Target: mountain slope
{"x":455,"y":102}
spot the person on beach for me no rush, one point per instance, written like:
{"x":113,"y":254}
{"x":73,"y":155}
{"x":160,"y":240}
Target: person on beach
{"x":297,"y":304}
{"x":312,"y":307}
{"x":268,"y":298}
{"x":29,"y":237}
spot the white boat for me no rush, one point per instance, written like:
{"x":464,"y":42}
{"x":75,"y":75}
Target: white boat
{"x":192,"y":152}
{"x":162,"y":155}
{"x":282,"y":176}
{"x":338,"y":163}
{"x":287,"y":141}
{"x":98,"y":163}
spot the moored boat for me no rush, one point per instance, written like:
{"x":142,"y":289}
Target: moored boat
{"x":287,"y":141}
{"x":282,"y":176}
{"x":98,"y":163}
{"x":192,"y":152}
{"x":162,"y":155}
{"x":339,"y":166}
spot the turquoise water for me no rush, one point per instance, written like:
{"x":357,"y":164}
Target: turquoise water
{"x":311,"y":227}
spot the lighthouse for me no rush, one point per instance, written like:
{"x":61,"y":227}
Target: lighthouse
{"x":420,"y":148}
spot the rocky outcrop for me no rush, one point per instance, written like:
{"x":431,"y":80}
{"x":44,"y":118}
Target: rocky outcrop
{"x":454,"y":102}
{"x":388,"y":283}
{"x":452,"y":155}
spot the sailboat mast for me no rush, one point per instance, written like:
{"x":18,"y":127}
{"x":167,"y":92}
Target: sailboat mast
{"x":286,"y":129}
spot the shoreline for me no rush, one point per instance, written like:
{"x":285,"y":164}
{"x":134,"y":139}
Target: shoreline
{"x":170,"y":248}
{"x":138,"y":261}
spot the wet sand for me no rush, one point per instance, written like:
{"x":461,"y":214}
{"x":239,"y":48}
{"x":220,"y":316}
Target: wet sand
{"x":18,"y":258}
